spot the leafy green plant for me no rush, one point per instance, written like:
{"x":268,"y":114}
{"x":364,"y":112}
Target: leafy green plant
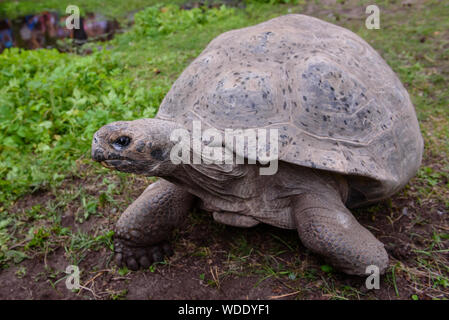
{"x":50,"y":106}
{"x":158,"y":20}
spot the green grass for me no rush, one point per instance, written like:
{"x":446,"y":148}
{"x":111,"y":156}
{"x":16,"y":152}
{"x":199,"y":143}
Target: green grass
{"x":51,"y":103}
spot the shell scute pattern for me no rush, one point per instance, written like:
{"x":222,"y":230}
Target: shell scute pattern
{"x":336,"y":103}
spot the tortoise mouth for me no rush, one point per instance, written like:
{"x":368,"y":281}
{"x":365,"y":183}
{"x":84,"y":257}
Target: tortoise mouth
{"x":118,"y":164}
{"x":129,"y":166}
{"x":106,"y":164}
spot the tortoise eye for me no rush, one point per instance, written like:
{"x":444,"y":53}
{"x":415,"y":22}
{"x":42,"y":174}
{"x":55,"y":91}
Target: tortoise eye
{"x":121,"y":142}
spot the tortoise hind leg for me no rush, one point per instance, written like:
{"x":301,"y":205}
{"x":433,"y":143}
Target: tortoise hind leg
{"x":144,"y":227}
{"x":328,"y":228}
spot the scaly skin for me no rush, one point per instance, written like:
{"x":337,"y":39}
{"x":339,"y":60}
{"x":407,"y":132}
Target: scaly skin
{"x":328,"y":228}
{"x":144,"y":227}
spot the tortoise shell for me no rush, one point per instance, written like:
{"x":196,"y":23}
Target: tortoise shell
{"x":335,"y":102}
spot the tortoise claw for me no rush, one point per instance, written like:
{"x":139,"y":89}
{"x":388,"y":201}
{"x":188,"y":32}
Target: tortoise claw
{"x":137,"y":257}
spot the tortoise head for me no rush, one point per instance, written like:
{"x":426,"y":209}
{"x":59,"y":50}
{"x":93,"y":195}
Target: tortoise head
{"x":140,"y":146}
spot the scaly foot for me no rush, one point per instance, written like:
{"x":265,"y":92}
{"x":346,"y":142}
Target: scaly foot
{"x":137,"y":257}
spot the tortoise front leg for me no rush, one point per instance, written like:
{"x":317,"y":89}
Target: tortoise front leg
{"x":144,"y":227}
{"x":328,"y":228}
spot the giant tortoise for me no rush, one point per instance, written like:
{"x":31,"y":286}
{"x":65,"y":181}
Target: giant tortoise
{"x":347,"y":136}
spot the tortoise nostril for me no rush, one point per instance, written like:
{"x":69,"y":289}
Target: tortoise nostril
{"x":98,"y":155}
